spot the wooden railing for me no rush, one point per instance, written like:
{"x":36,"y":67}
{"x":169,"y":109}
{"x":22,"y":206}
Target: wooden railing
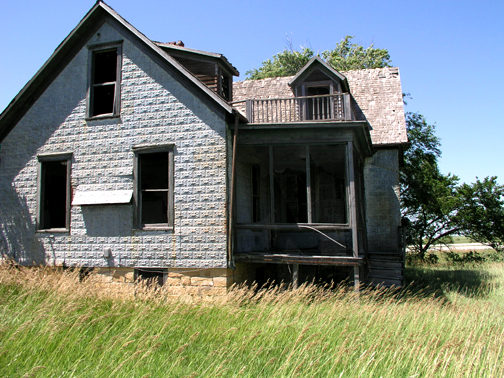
{"x":335,"y":107}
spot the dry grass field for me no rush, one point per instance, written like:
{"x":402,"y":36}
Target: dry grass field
{"x":448,"y":322}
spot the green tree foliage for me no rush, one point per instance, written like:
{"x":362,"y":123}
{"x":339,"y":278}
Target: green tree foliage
{"x":351,"y":56}
{"x":481,"y":215}
{"x":346,"y":56}
{"x":286,"y":63}
{"x":429,"y":199}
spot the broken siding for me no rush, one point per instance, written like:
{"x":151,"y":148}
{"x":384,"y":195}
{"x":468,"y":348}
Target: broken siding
{"x":155,"y":109}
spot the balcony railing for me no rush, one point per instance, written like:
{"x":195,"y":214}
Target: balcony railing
{"x":335,"y":107}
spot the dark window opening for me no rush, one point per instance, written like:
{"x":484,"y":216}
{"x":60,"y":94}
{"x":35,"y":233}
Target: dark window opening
{"x":256,"y":193}
{"x":152,"y":277}
{"x":226,"y":87}
{"x":318,"y":107}
{"x":54,"y":194}
{"x":290,"y":184}
{"x":154,"y":187}
{"x":104,"y":82}
{"x":328,"y":187}
{"x":154,"y":192}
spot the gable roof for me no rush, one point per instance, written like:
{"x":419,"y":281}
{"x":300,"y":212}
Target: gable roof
{"x":317,"y":62}
{"x":377,"y":92}
{"x":77,"y":38}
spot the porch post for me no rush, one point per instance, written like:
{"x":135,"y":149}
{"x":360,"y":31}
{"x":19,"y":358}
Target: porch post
{"x":232,"y":196}
{"x":295,"y":276}
{"x":352,"y":204}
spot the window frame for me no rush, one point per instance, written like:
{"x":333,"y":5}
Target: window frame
{"x":116,"y":106}
{"x":137,"y":192}
{"x":67,"y":156}
{"x":306,"y":86}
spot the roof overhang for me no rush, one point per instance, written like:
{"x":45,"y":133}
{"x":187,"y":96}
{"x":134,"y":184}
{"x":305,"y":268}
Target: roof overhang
{"x":188,"y":52}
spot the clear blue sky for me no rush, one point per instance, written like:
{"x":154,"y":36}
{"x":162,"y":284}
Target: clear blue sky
{"x":450,"y":53}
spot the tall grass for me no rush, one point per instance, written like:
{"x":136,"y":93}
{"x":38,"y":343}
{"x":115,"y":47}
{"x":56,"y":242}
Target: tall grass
{"x":53,"y":325}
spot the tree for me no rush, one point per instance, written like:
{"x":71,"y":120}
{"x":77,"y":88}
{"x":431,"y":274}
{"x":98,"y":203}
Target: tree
{"x":351,"y":56}
{"x":429,"y":199}
{"x":481,"y":215}
{"x":286,"y":63}
{"x":346,"y":56}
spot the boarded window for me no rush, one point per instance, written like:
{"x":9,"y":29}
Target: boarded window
{"x":54,"y":195}
{"x":154,"y":187}
{"x":104,"y":90}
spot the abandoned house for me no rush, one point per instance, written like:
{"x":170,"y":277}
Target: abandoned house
{"x":143,"y":159}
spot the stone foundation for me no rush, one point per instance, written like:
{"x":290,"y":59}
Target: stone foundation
{"x":189,"y":284}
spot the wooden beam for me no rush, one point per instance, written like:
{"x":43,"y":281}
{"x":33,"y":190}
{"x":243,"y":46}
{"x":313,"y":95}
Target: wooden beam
{"x":294,"y":227}
{"x":295,"y":276}
{"x":352,"y":200}
{"x":232,"y":195}
{"x":308,"y":185}
{"x":271,"y":185}
{"x":356,"y":278}
{"x":287,"y":258}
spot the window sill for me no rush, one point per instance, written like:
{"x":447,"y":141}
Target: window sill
{"x":53,"y":231}
{"x":155,"y":228}
{"x":102,"y":116}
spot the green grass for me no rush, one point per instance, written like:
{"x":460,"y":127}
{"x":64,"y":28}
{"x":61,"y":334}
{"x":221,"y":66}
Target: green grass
{"x":448,"y":322}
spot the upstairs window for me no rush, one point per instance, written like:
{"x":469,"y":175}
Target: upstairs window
{"x":54,"y":192}
{"x":154,"y":187}
{"x":104,"y":91}
{"x":226,"y":87}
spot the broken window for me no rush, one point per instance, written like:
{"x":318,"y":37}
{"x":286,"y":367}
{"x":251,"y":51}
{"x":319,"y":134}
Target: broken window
{"x":154,"y":187}
{"x":54,"y":192}
{"x":105,"y":83}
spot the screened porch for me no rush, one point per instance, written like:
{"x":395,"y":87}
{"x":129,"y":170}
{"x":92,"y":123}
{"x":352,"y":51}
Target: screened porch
{"x":299,"y":204}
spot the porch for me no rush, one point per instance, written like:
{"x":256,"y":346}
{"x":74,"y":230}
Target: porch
{"x":299,"y":201}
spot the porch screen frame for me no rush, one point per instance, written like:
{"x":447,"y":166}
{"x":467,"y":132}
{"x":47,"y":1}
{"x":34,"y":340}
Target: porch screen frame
{"x":348,"y":165}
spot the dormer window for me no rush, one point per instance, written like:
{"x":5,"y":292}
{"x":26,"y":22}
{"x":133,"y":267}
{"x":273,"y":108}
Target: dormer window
{"x":104,"y":89}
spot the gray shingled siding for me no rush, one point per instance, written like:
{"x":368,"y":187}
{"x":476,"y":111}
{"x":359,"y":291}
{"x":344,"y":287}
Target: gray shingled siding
{"x":155,"y":109}
{"x":381,"y":181}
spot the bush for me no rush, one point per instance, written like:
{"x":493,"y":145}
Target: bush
{"x":469,"y":257}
